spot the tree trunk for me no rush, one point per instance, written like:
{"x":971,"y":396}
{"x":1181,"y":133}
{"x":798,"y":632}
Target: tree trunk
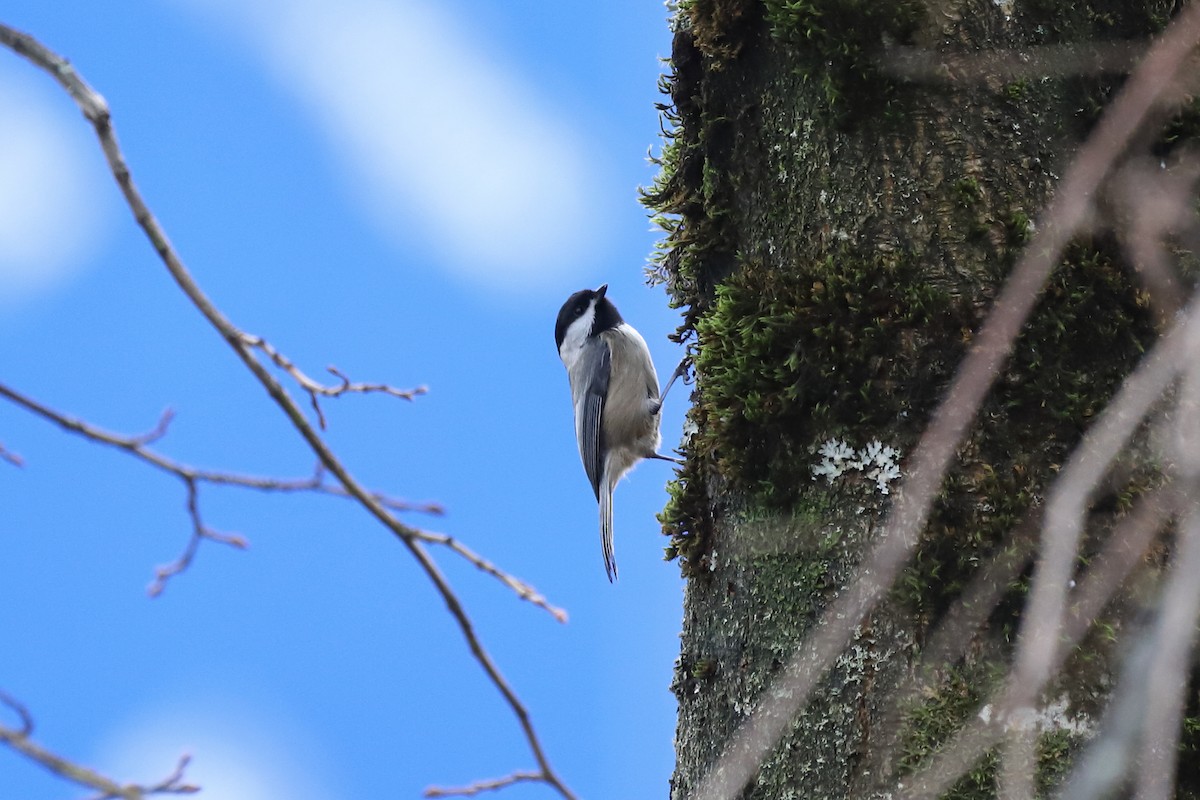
{"x":837,"y":235}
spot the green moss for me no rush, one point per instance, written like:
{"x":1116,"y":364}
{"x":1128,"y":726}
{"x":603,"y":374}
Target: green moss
{"x":719,"y":27}
{"x":968,"y":191}
{"x":844,"y":346}
{"x":935,"y":719}
{"x":791,"y":359}
{"x":1016,"y":91}
{"x":840,"y":41}
{"x":852,"y":345}
{"x":1183,"y":128}
{"x":843,"y":28}
{"x":1070,"y":359}
{"x":1188,"y":777}
{"x":792,"y":352}
{"x":933,"y":722}
{"x":1018,"y":226}
{"x":688,"y":520}
{"x":691,"y":195}
{"x":1052,"y":22}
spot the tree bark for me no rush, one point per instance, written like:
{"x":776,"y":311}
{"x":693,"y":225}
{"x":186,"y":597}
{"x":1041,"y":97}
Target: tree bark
{"x":837,"y":234}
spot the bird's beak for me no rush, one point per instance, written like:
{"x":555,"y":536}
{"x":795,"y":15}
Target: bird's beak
{"x":600,"y":292}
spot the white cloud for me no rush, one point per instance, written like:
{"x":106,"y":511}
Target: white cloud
{"x":440,"y":138}
{"x":53,"y":208}
{"x":235,"y":754}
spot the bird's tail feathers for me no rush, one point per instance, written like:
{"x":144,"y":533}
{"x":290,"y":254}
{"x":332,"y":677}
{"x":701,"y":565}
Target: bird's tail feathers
{"x":606,"y":528}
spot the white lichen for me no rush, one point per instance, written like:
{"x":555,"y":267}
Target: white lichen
{"x":877,"y":462}
{"x":836,"y":456}
{"x":1053,"y":717}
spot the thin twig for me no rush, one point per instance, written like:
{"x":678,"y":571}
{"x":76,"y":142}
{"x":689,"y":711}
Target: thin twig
{"x":157,"y":432}
{"x":523,"y":590}
{"x":96,"y":111}
{"x":21,"y":711}
{"x":192,"y":477}
{"x":479,"y":787}
{"x":18,"y":740}
{"x":200,"y":532}
{"x":316,"y":389}
{"x":11,"y":457}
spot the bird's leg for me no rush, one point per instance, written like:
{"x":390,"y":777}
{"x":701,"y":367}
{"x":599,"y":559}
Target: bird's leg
{"x":680,"y":371}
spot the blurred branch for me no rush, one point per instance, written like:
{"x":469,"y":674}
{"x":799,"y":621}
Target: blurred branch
{"x":95,"y":109}
{"x":919,"y":64}
{"x":1175,"y":633}
{"x":22,"y":713}
{"x":18,"y":739}
{"x":483,"y":786}
{"x":1154,"y":202}
{"x":1124,"y":549}
{"x":1039,"y":639}
{"x":10,"y":457}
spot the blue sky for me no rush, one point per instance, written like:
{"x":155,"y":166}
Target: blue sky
{"x":407,"y":190}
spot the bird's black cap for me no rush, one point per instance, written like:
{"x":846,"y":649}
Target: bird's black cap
{"x":577,"y":304}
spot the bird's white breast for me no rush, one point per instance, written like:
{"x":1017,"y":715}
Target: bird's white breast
{"x":575,"y":337}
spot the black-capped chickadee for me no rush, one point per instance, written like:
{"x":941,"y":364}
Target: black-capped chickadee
{"x":614,"y":389}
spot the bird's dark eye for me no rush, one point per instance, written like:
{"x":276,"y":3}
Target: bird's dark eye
{"x":580,"y":308}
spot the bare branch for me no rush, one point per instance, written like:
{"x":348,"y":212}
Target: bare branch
{"x":11,"y":457}
{"x":1154,"y":202}
{"x":192,"y":477}
{"x":96,"y":111}
{"x":21,"y":711}
{"x":19,"y":741}
{"x":1100,"y":769}
{"x":480,"y":787}
{"x":159,"y":430}
{"x":1049,"y":630}
{"x":316,"y":389}
{"x":200,"y":531}
{"x":523,"y":590}
{"x":1175,"y":633}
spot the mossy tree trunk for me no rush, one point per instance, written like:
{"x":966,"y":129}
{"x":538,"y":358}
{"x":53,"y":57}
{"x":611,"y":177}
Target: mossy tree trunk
{"x":837,"y":236}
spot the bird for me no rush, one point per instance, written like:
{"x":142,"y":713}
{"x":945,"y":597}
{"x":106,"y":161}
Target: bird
{"x":614,"y":391}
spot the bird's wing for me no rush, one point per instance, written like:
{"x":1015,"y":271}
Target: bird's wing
{"x":589,"y":410}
